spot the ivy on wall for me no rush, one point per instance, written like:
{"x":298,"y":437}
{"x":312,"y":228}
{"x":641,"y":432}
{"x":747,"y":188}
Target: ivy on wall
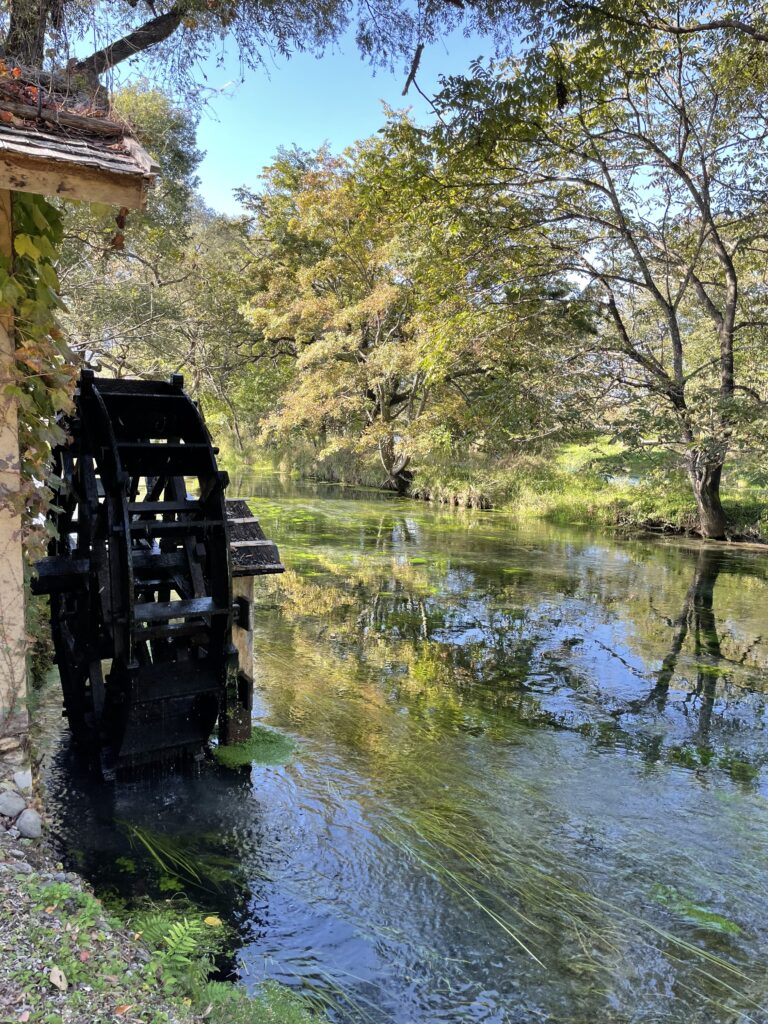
{"x":44,"y":371}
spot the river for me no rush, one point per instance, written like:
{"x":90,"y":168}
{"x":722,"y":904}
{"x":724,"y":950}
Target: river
{"x":529,"y":785}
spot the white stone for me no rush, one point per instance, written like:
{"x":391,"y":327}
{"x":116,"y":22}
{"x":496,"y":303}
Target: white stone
{"x":11,"y":804}
{"x":29,"y":824}
{"x":23,"y":779}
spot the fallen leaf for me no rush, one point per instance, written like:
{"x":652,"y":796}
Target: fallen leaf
{"x":6,"y":116}
{"x":121,"y":1010}
{"x":212,"y":921}
{"x":110,"y":978}
{"x":16,"y":72}
{"x":84,"y":955}
{"x":58,"y":978}
{"x":24,"y":1017}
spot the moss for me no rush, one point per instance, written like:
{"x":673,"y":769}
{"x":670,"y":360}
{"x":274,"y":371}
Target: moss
{"x":266,"y":746}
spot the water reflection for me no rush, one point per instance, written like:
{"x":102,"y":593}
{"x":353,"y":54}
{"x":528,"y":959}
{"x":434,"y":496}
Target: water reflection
{"x":531,"y":772}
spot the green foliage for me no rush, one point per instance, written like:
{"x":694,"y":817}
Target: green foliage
{"x":271,"y":1004}
{"x":183,"y":948}
{"x":44,"y":366}
{"x":265,"y":746}
{"x":402,"y":350}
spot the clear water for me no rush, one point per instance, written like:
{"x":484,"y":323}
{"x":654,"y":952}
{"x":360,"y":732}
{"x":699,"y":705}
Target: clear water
{"x":530,"y":782}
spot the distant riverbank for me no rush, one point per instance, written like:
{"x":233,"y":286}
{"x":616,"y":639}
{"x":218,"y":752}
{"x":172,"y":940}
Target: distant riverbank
{"x":589,"y":484}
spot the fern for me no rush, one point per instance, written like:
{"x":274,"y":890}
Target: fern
{"x":153,"y":926}
{"x":182,"y":940}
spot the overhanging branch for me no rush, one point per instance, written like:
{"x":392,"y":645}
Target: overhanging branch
{"x":149,"y":34}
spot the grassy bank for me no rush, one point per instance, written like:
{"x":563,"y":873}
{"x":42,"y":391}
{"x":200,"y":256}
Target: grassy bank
{"x":68,"y":957}
{"x":591,"y":485}
{"x":596,"y":484}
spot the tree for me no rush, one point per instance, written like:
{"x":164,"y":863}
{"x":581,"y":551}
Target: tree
{"x":405,"y":340}
{"x":172,"y":36}
{"x":645,"y":187}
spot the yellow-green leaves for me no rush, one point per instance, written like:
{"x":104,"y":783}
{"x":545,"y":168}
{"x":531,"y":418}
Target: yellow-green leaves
{"x":44,"y":366}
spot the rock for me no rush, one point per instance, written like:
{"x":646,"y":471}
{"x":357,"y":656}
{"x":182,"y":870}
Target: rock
{"x":29,"y":824}
{"x":13,"y":832}
{"x":11,"y":804}
{"x":22,"y":868}
{"x":23,"y":779}
{"x":59,"y":877}
{"x":9,"y":743}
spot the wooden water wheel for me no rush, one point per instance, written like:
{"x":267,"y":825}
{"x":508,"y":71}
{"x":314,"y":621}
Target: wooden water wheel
{"x":139,"y":573}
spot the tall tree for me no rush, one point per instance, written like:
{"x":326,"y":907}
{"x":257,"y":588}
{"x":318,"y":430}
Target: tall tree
{"x":404,"y":342}
{"x":646,"y":187}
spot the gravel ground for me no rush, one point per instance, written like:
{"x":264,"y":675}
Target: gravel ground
{"x":61,"y":959}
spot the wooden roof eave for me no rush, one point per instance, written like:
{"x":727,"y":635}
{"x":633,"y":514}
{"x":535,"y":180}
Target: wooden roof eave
{"x":73,"y":169}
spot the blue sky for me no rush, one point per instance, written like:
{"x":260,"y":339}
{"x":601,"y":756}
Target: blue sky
{"x":306,"y":101}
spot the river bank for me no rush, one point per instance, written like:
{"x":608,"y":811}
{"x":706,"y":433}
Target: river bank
{"x":577,"y":484}
{"x":68,"y":958}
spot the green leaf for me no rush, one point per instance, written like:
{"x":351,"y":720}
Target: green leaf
{"x":24,"y":246}
{"x":50,"y":276}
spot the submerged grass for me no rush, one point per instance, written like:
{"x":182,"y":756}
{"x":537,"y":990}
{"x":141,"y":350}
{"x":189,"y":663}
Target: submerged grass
{"x":523,"y":894}
{"x":265,"y":746}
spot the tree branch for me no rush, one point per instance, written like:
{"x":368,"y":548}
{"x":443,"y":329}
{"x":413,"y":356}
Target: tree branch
{"x":149,"y":34}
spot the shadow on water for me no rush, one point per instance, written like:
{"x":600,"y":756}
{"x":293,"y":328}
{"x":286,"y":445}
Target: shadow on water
{"x":530,"y":782}
{"x":182,"y":837}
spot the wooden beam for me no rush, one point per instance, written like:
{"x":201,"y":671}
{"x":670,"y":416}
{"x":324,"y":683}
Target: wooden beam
{"x":92,"y":125}
{"x":52,"y":177}
{"x":235,"y":724}
{"x":12,"y":626}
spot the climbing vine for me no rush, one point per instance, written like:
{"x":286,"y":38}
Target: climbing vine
{"x":44,"y":369}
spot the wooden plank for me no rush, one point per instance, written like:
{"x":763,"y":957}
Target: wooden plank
{"x":12,"y":626}
{"x":58,"y":574}
{"x":164,"y":506}
{"x":235,"y":723}
{"x":157,"y":561}
{"x":140,"y":156}
{"x":165,"y":527}
{"x":69,"y":180}
{"x":32,"y":142}
{"x":164,"y":611}
{"x":251,"y":569}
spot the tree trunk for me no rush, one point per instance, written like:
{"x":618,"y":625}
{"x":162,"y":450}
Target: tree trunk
{"x":705,"y":479}
{"x":25,"y":41}
{"x":399,"y":478}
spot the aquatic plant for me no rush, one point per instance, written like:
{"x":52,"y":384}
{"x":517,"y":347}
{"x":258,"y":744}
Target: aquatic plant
{"x":265,"y":746}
